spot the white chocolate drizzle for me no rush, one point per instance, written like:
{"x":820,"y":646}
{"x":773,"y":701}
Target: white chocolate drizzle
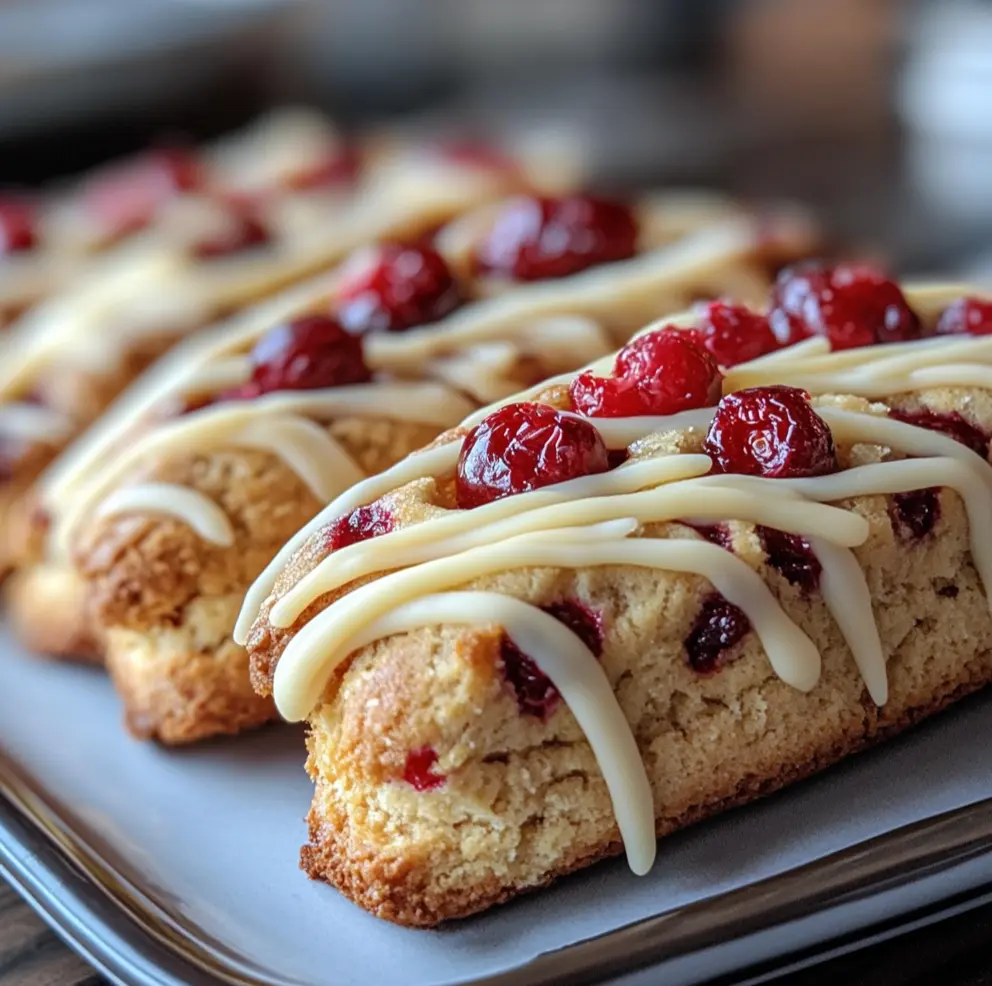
{"x":168,"y":499}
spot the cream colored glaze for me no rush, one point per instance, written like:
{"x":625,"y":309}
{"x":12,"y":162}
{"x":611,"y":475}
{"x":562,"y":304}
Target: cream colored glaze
{"x":168,"y":499}
{"x":575,"y":672}
{"x":34,"y":423}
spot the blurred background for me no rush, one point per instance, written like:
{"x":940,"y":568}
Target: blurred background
{"x":877,"y":112}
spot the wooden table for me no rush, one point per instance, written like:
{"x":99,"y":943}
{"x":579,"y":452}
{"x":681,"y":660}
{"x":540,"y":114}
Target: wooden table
{"x":957,"y":952}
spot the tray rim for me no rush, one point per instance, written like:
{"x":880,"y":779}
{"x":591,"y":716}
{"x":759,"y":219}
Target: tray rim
{"x":120,"y":929}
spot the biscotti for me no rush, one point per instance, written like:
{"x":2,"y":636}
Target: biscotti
{"x":359,"y":370}
{"x":267,"y":209}
{"x":615,"y":605}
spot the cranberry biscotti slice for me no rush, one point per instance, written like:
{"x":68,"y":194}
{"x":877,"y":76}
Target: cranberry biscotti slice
{"x":170,"y":533}
{"x":214,"y":250}
{"x":623,"y":603}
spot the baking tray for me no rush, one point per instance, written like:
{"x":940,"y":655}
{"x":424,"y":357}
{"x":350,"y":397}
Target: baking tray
{"x":178,"y":867}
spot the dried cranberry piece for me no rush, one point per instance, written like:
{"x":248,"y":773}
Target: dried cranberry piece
{"x":310,"y":352}
{"x":661,"y":372}
{"x":340,"y":166}
{"x":362,"y":524}
{"x":949,"y":423}
{"x":851,"y":304}
{"x":792,"y":556}
{"x":719,"y":626}
{"x":718,"y":534}
{"x":396,"y":287}
{"x":534,"y":239}
{"x":915,"y":513}
{"x":522,"y":447}
{"x":734,"y":334}
{"x":245,"y":233}
{"x":419,"y":772}
{"x":971,"y":316}
{"x":17,"y":226}
{"x":124,"y":198}
{"x":770,"y":431}
{"x":534,"y":692}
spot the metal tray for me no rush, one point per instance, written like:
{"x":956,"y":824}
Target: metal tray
{"x":178,"y":867}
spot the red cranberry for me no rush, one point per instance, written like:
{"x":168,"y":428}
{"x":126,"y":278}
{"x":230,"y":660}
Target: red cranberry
{"x":534,"y":239}
{"x":125,"y":197}
{"x":402,"y":286}
{"x":338,"y":167}
{"x":915,"y":513}
{"x":717,"y":534}
{"x":792,"y":556}
{"x":661,"y":372}
{"x":770,"y":431}
{"x":244,"y":233}
{"x":17,"y":228}
{"x":419,"y":772}
{"x":523,"y":447}
{"x":311,"y":352}
{"x":971,"y":316}
{"x":949,"y":423}
{"x":719,"y":626}
{"x":734,"y":334}
{"x":362,"y":524}
{"x":534,"y":692}
{"x":851,"y":304}
{"x":617,"y":457}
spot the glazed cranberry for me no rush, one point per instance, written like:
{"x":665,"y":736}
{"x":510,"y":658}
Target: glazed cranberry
{"x":523,"y":447}
{"x":311,"y":352}
{"x":717,"y":534}
{"x":362,"y":524}
{"x":532,"y":688}
{"x":734,"y":334}
{"x":949,"y":423}
{"x":125,"y":197}
{"x":419,"y":770}
{"x":398,"y":287}
{"x":851,"y":304}
{"x":770,"y":431}
{"x":534,"y":239}
{"x":244,"y":233}
{"x":792,"y":556}
{"x":915,"y":513}
{"x":971,"y":316}
{"x":661,"y":372}
{"x":617,"y":457}
{"x":719,"y":627}
{"x":338,"y":167}
{"x":17,"y":230}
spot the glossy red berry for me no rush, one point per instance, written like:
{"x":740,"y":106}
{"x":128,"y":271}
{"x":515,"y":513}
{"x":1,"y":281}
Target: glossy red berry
{"x":971,"y":316}
{"x":534,"y":239}
{"x":770,"y":431}
{"x":311,"y":352}
{"x":124,"y":197}
{"x":949,"y":423}
{"x":532,"y":688}
{"x":420,"y":769}
{"x":523,"y":447}
{"x":362,"y":524}
{"x":734,"y":334}
{"x":17,"y":226}
{"x":244,"y":233}
{"x":658,"y":373}
{"x":719,"y":627}
{"x":851,"y":304}
{"x":340,"y":166}
{"x":395,"y":287}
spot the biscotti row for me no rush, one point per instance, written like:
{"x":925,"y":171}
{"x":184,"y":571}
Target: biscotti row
{"x":257,"y":212}
{"x":739,"y":550}
{"x":188,"y":487}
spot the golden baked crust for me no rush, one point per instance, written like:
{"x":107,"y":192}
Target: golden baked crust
{"x":167,"y":600}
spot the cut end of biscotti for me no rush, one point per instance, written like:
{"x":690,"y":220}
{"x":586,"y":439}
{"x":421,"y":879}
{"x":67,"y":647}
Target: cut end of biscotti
{"x":189,"y":682}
